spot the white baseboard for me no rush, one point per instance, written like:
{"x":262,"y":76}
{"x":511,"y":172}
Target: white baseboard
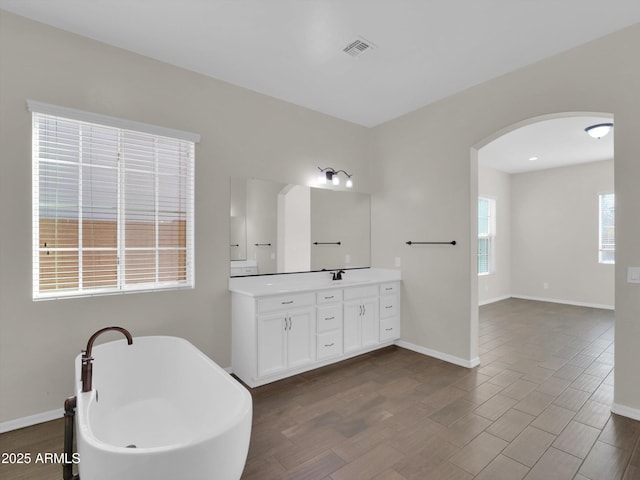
{"x":625,"y":411}
{"x":31,"y":420}
{"x":493,"y":300}
{"x":439,"y":355}
{"x":565,"y":302}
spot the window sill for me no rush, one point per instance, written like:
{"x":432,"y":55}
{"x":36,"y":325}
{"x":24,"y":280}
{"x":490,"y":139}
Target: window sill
{"x":97,"y":293}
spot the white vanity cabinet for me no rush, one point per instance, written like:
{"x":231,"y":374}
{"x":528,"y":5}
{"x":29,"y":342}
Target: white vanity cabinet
{"x":285,"y":340}
{"x":361,"y":321}
{"x":286,"y":333}
{"x":389,"y":311}
{"x":282,"y":329}
{"x":329,"y":333}
{"x":243,"y":267}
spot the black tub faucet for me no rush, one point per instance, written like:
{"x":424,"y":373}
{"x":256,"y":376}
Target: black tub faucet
{"x":87,"y":361}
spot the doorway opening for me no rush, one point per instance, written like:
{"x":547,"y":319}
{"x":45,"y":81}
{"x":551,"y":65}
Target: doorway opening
{"x":549,"y":187}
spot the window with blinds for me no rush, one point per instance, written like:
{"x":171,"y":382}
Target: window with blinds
{"x":486,"y":235}
{"x":606,"y":228}
{"x":112,"y":209}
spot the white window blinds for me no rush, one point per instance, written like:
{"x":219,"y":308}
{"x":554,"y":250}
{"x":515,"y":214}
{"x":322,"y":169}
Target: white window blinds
{"x":607,"y":231}
{"x":486,"y":235}
{"x":112,"y":209}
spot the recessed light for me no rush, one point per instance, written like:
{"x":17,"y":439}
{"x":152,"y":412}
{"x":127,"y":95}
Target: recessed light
{"x":533,"y":159}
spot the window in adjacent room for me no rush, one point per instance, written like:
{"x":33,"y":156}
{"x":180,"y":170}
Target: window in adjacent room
{"x":606,"y":228}
{"x":112,"y":205}
{"x":486,"y":235}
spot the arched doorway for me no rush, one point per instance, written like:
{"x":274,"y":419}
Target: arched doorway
{"x":530,"y":243}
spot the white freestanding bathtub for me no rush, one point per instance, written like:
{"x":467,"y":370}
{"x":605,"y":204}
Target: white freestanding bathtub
{"x":160,"y":409}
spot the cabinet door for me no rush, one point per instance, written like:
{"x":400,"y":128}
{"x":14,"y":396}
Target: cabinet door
{"x":301,"y":345}
{"x":370,"y":322}
{"x":352,"y":325}
{"x":272,"y":345}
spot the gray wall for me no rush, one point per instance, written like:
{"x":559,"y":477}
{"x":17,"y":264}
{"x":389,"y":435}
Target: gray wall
{"x":423,"y":174}
{"x":497,"y":185}
{"x":39,"y":340}
{"x":555,"y":235}
{"x":547,"y":233}
{"x":427,"y":161}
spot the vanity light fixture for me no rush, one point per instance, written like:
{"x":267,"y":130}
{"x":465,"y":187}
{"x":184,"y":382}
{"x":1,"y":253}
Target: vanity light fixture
{"x":331,"y":175}
{"x":599,"y":130}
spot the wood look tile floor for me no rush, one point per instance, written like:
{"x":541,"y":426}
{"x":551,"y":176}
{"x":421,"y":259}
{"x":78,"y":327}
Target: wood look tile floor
{"x":538,"y":407}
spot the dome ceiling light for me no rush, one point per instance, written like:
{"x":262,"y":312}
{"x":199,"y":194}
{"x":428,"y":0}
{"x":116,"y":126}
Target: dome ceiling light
{"x":599,"y":130}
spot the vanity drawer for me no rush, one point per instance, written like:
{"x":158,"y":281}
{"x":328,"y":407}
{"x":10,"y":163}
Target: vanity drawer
{"x":361,"y":292}
{"x":389,"y":305}
{"x":329,"y":317}
{"x":389,"y":328}
{"x":388,"y":288}
{"x":285,"y":302}
{"x":329,"y":344}
{"x":329,"y":296}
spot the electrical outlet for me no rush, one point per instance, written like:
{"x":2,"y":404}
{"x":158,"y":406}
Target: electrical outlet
{"x":545,"y":285}
{"x":397,"y":262}
{"x":633,"y":274}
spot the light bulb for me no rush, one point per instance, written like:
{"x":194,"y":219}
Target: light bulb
{"x":322,"y":178}
{"x":349,"y":183}
{"x":335,"y":180}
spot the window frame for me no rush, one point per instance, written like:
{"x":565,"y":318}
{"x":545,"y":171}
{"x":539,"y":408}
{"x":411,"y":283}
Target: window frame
{"x":602,"y":249}
{"x":489,"y":237}
{"x":124,"y":283}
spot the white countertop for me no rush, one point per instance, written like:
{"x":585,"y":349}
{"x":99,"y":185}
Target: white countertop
{"x":263,"y":285}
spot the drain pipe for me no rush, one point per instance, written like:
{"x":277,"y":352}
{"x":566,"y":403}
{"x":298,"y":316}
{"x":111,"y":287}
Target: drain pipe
{"x":69,"y":414}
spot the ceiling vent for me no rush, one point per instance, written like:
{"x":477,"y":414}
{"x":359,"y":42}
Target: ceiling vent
{"x":358,"y":47}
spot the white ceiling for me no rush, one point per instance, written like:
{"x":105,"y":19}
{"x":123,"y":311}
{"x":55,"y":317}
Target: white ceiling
{"x":555,"y":142}
{"x":291,"y":49}
{"x":424,"y":50}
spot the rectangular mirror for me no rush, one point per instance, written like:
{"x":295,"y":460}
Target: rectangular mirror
{"x":284,"y":228}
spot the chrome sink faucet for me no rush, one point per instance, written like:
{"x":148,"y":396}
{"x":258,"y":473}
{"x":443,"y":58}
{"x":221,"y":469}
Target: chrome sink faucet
{"x":337,"y":275}
{"x":87,"y":360}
